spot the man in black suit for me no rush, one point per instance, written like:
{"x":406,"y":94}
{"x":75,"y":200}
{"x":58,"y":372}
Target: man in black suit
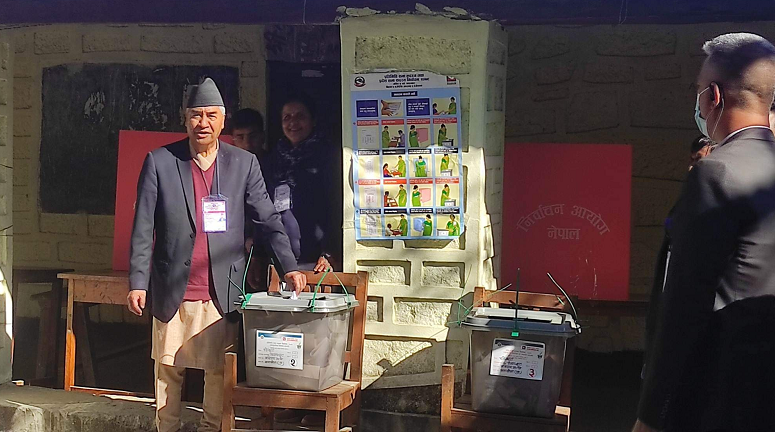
{"x":712,"y":363}
{"x":187,"y":252}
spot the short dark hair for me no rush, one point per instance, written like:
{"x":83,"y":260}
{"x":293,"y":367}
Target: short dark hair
{"x":246,"y":118}
{"x":304,"y":99}
{"x":699,"y":143}
{"x":737,"y":58}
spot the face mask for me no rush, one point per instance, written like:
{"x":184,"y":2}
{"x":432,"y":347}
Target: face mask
{"x":702,"y":124}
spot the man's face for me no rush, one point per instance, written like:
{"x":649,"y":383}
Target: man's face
{"x":250,"y":139}
{"x":204,"y":125}
{"x":297,"y":122}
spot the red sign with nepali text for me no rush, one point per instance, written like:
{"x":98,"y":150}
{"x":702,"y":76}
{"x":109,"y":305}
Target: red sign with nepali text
{"x":566,"y":211}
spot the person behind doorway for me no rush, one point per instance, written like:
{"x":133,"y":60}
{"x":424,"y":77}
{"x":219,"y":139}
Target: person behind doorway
{"x":453,"y":227}
{"x":444,"y":166}
{"x":248,"y":132}
{"x":171,"y":269}
{"x":403,"y":226}
{"x":420,"y":168}
{"x":416,"y":197}
{"x":711,"y":363}
{"x":385,"y":137}
{"x":401,"y":196}
{"x":414,"y":139}
{"x":401,"y":166}
{"x":452,"y":106}
{"x":427,"y":226}
{"x":303,"y":178}
{"x":442,"y":134}
{"x":444,"y":195}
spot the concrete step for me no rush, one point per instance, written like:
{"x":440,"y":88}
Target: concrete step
{"x":37,"y":409}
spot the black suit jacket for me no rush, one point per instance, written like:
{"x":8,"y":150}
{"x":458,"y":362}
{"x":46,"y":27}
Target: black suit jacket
{"x":165,"y":210}
{"x":713,"y":355}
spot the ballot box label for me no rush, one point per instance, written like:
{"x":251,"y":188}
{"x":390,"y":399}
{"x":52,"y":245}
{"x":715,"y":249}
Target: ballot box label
{"x":279,"y":350}
{"x":518,"y":359}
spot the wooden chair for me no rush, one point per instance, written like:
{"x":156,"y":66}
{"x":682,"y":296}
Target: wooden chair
{"x":460,"y":416}
{"x":343,"y":397}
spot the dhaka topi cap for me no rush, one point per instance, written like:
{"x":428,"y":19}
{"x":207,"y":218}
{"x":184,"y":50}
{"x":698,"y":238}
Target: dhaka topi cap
{"x":204,"y":95}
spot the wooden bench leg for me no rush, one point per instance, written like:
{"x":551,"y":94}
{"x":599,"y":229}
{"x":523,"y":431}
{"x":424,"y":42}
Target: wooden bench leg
{"x":332,"y":415}
{"x":352,"y":415}
{"x":447,"y":396}
{"x":229,"y":381}
{"x":69,"y":380}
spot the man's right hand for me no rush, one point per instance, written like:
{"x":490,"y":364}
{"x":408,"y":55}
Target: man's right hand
{"x":136,"y":300}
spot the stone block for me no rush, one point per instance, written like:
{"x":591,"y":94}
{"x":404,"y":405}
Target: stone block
{"x":604,"y":73}
{"x":398,"y":357}
{"x":252,"y":69}
{"x":633,"y":330}
{"x":5,"y":55}
{"x":531,"y":120}
{"x":494,"y":139}
{"x":230,"y":43}
{"x":24,"y":222}
{"x":166,"y":43}
{"x":457,"y":353}
{"x":108,"y":42}
{"x":5,"y":89}
{"x":22,"y":147}
{"x":517,"y":43}
{"x":445,"y":56}
{"x":84,"y":253}
{"x":56,"y":223}
{"x":555,"y":74}
{"x":387,"y":272}
{"x":374,"y":309}
{"x":664,"y":158}
{"x":591,"y":111}
{"x":495,"y":93}
{"x":32,"y":251}
{"x":629,"y":43}
{"x":21,"y":199}
{"x":23,"y":93}
{"x":213,"y":26}
{"x":551,"y":46}
{"x":4,"y":209}
{"x":421,"y":312}
{"x":20,"y":42}
{"x":4,"y":132}
{"x":656,"y":108}
{"x":22,"y":67}
{"x":443,"y":274}
{"x":23,"y":123}
{"x":496,"y":53}
{"x":52,"y":42}
{"x":652,"y":200}
{"x":663,"y":71}
{"x":21,"y":172}
{"x":101,"y":225}
{"x":553,"y":94}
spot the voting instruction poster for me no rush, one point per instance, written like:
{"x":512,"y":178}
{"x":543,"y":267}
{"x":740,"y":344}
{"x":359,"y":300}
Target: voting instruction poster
{"x":407,"y":157}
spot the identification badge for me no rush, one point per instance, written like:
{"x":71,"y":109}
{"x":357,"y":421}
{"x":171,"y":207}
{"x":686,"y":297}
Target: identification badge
{"x":214,"y":214}
{"x":282,"y":197}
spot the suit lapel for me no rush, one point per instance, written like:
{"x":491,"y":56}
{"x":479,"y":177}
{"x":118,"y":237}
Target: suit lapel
{"x":184,"y":169}
{"x":223,"y":161}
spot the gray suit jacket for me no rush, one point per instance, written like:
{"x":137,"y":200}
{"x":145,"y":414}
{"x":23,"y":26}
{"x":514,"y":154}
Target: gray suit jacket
{"x":165,"y":210}
{"x":711,"y":367}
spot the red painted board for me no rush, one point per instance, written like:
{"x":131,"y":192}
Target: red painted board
{"x":133,"y":146}
{"x":566,"y":210}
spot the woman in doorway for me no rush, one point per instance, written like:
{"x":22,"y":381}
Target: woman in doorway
{"x":427,"y":226}
{"x":444,"y":195}
{"x":414,"y":140}
{"x":453,"y":226}
{"x":302,"y":183}
{"x":416,"y":197}
{"x":444,"y":166}
{"x":442,"y":134}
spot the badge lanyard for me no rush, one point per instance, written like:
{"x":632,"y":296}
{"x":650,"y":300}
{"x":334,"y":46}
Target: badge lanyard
{"x":213,"y":206}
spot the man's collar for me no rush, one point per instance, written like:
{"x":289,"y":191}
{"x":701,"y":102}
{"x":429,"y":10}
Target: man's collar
{"x":733,"y":134}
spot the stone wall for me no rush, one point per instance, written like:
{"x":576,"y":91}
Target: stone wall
{"x":6,"y":213}
{"x":415,"y":285}
{"x":618,"y":85}
{"x":83,"y":241}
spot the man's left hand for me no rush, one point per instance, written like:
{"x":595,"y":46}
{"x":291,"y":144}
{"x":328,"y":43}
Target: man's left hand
{"x":322,"y":265}
{"x":642,"y":427}
{"x":297,"y":280}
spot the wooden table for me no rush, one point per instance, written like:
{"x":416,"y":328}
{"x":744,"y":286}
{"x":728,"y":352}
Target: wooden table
{"x":99,"y":287}
{"x":50,"y":316}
